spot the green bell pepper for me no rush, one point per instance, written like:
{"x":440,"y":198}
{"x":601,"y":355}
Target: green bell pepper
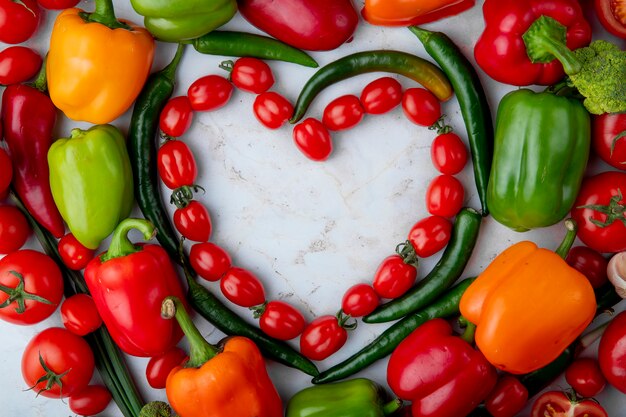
{"x":177,"y":20}
{"x":352,"y":398}
{"x":541,"y":149}
{"x":92,"y":182}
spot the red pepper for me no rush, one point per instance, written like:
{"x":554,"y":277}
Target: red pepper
{"x":501,"y":52}
{"x":441,"y":373}
{"x":128,"y":284}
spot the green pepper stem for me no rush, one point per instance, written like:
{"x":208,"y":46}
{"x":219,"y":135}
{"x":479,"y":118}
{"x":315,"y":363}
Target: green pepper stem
{"x":121,"y":245}
{"x":105,"y":15}
{"x":392,"y":406}
{"x":200,"y":350}
{"x":468,"y":334}
{"x":569,"y":238}
{"x":545,"y":40}
{"x":170,"y":70}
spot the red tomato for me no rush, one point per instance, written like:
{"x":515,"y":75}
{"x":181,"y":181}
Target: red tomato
{"x":612,"y":352}
{"x":14,"y":229}
{"x":209,"y":93}
{"x":32,"y":284}
{"x":394,"y":277}
{"x":507,"y":398}
{"x":281,"y":321}
{"x":18,"y":20}
{"x":80,"y":315}
{"x":313,"y":139}
{"x":448,"y":153}
{"x":590,"y":263}
{"x":209,"y":260}
{"x":176,"y":164}
{"x":343,"y":113}
{"x":322,"y":337}
{"x":608,"y":138}
{"x":252,"y":75}
{"x":612,"y":15}
{"x":421,"y":106}
{"x":444,"y":196}
{"x":360,"y":300}
{"x":6,"y":171}
{"x":601,"y":194}
{"x":176,"y":116}
{"x":18,"y":64}
{"x":272,"y":109}
{"x":193,"y":222}
{"x":585,"y":377}
{"x":73,"y":254}
{"x":429,"y":235}
{"x":67,"y":357}
{"x":381,"y":95}
{"x":556,"y":404}
{"x":91,"y":400}
{"x":159,"y":367}
{"x":242,"y":287}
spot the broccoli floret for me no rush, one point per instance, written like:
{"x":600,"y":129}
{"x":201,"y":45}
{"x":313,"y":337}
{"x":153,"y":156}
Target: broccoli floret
{"x":156,"y":409}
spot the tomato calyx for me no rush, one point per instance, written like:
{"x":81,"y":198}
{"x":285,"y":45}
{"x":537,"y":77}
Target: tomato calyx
{"x":344,"y":320}
{"x":613,"y":211}
{"x":407,"y":252}
{"x":182,"y":196}
{"x":619,"y":136}
{"x":19,"y":294}
{"x":51,"y":378}
{"x":440,"y":126}
{"x":258,"y":310}
{"x":227,"y":66}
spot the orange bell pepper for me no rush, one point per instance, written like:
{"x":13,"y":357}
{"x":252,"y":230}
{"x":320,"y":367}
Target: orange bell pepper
{"x":411,"y":12}
{"x":97,"y":65}
{"x":528,"y":306}
{"x":227,"y":382}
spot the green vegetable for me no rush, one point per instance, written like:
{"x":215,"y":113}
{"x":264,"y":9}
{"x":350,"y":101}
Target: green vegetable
{"x":597,"y":71}
{"x":157,"y":409}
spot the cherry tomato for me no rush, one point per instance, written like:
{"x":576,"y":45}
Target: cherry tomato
{"x":444,"y":196}
{"x":57,"y":4}
{"x":429,"y":235}
{"x":18,"y":20}
{"x":18,"y":64}
{"x":159,"y":367}
{"x":272,"y":109}
{"x":176,"y":164}
{"x":66,"y":356}
{"x":590,"y":263}
{"x":209,"y":93}
{"x":360,"y":300}
{"x":612,"y":352}
{"x":73,"y":254}
{"x":14,"y":229}
{"x":80,"y":315}
{"x":556,"y":403}
{"x":193,"y":222}
{"x":176,"y":116}
{"x":322,"y":337}
{"x":313,"y":139}
{"x":281,"y":321}
{"x":209,"y":260}
{"x":612,"y":15}
{"x":91,"y":400}
{"x":6,"y":170}
{"x":381,"y":95}
{"x":394,"y":277}
{"x":343,"y":113}
{"x":608,"y":137}
{"x":585,"y":376}
{"x":32,"y":285}
{"x":448,"y":153}
{"x":252,"y":75}
{"x":507,"y":398}
{"x":242,"y":287}
{"x":421,"y":106}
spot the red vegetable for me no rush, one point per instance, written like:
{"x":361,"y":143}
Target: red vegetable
{"x":176,"y":164}
{"x":421,"y":106}
{"x":585,"y":377}
{"x":343,"y":113}
{"x":360,"y":300}
{"x":508,"y":397}
{"x":448,"y":153}
{"x":80,"y":315}
{"x":176,"y":116}
{"x":90,"y":401}
{"x":612,"y":352}
{"x":411,"y":12}
{"x":429,"y":235}
{"x":381,"y":95}
{"x":395,"y":275}
{"x":18,"y":20}
{"x":444,"y":196}
{"x":557,"y":403}
{"x":590,"y":263}
{"x":209,"y":260}
{"x":209,"y":93}
{"x":612,"y":15}
{"x":6,"y":170}
{"x":14,"y":229}
{"x":73,"y":253}
{"x":160,"y":366}
{"x":252,"y":75}
{"x":313,"y":139}
{"x":324,"y":336}
{"x":608,"y":138}
{"x":193,"y":221}
{"x":242,"y":287}
{"x":272,"y":109}
{"x":280,"y":320}
{"x":18,"y":64}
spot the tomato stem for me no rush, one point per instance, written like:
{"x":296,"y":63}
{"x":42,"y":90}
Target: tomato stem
{"x":19,"y":295}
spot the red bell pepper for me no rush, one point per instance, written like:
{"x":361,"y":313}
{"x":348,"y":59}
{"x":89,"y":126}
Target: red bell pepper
{"x":501,"y":52}
{"x":128,"y":283}
{"x":439,"y":372}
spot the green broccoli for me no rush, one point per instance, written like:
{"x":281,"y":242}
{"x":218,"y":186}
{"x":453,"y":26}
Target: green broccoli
{"x":598,"y":71}
{"x":156,"y":409}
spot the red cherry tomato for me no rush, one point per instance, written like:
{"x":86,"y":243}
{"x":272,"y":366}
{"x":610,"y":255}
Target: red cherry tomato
{"x":322,"y":337}
{"x":272,"y":109}
{"x":159,"y":367}
{"x":80,"y":315}
{"x":252,"y":75}
{"x":63,"y":353}
{"x":18,"y":20}
{"x":6,"y":171}
{"x":556,"y":403}
{"x":612,"y":352}
{"x":209,"y":260}
{"x":242,"y":287}
{"x":91,"y":400}
{"x":421,"y":106}
{"x":590,"y":263}
{"x":73,"y":254}
{"x":507,"y":398}
{"x":381,"y":95}
{"x":360,"y":300}
{"x":313,"y":139}
{"x":176,"y":164}
{"x":18,"y":64}
{"x":608,"y":139}
{"x":176,"y":116}
{"x":193,"y":222}
{"x":281,"y":321}
{"x":585,"y":376}
{"x":394,"y":277}
{"x":448,"y":153}
{"x":612,"y":15}
{"x":429,"y":235}
{"x":209,"y":93}
{"x":343,"y":113}
{"x":444,"y":196}
{"x":14,"y":229}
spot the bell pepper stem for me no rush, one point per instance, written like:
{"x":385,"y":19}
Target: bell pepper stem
{"x":545,"y":40}
{"x":121,"y":245}
{"x":469,"y":332}
{"x":41,"y":82}
{"x":392,"y":406}
{"x":569,"y":238}
{"x":105,"y":15}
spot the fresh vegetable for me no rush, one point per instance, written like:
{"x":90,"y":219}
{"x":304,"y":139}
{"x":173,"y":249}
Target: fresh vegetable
{"x":209,"y":93}
{"x":18,"y":64}
{"x":96,"y":64}
{"x":381,"y":95}
{"x":280,"y":320}
{"x":343,"y":113}
{"x":157,"y":409}
{"x":324,"y":336}
{"x":507,"y":398}
{"x":209,"y":261}
{"x":250,"y":74}
{"x":272,"y":109}
{"x":177,"y":165}
{"x":14,"y":229}
{"x":444,"y":196}
{"x":242,"y":287}
{"x":590,"y":263}
{"x":396,"y":274}
{"x":420,"y":106}
{"x":160,"y":366}
{"x":312,"y":139}
{"x":616,"y":273}
{"x":430,"y":235}
{"x":360,"y":300}
{"x":612,"y":352}
{"x":19,"y":20}
{"x":608,"y":139}
{"x":193,"y":221}
{"x":57,"y":4}
{"x":534,"y":182}
{"x":557,"y":403}
{"x":79,"y":166}
{"x":74,"y":254}
{"x":411,"y":12}
{"x":585,"y":377}
{"x":6,"y":170}
{"x":448,"y":153}
{"x":176,"y":117}
{"x":90,"y":401}
{"x":80,"y":314}
{"x":611,"y":15}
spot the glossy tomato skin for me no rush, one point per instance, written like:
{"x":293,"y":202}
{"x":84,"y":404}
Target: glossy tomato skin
{"x":612,"y":352}
{"x":421,"y":106}
{"x":394,"y":277}
{"x":6,"y":171}
{"x":272,"y":109}
{"x":193,"y":222}
{"x":18,"y":20}
{"x":444,"y":196}
{"x":210,"y":92}
{"x":381,"y":95}
{"x":322,"y":337}
{"x":176,"y":164}
{"x":73,"y":253}
{"x":343,"y":113}
{"x":14,"y":229}
{"x":507,"y":398}
{"x":176,"y":116}
{"x":590,"y":263}
{"x":448,"y":153}
{"x":312,"y":139}
{"x":281,"y":321}
{"x":90,"y":401}
{"x":209,"y":261}
{"x":159,"y":367}
{"x":605,"y":140}
{"x":612,"y":15}
{"x":585,"y":376}
{"x":18,"y":64}
{"x":242,"y":287}
{"x":556,"y":403}
{"x":360,"y":300}
{"x":252,"y":75}
{"x":80,"y":315}
{"x":429,"y":235}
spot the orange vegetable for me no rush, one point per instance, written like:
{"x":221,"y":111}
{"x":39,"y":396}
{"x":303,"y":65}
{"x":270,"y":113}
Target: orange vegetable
{"x":411,"y":12}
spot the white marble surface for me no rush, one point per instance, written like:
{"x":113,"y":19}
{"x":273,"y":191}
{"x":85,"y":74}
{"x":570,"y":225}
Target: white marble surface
{"x":309,"y":230}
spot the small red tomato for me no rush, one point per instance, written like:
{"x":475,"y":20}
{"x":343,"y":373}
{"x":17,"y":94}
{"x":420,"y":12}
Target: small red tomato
{"x":80,"y":315}
{"x":381,"y":95}
{"x":252,"y":75}
{"x":612,"y":352}
{"x":280,"y":320}
{"x":159,"y":367}
{"x":343,"y":113}
{"x":176,"y":116}
{"x":18,"y":64}
{"x":507,"y":398}
{"x":91,"y":400}
{"x":209,"y":93}
{"x":176,"y":164}
{"x":360,"y":300}
{"x":6,"y":171}
{"x":590,"y":263}
{"x":394,"y":277}
{"x":313,"y":139}
{"x":556,"y":403}
{"x":322,"y":337}
{"x":18,"y":20}
{"x":193,"y":221}
{"x":607,"y":137}
{"x":272,"y":109}
{"x":585,"y":376}
{"x":444,"y":196}
{"x":429,"y":235}
{"x":612,"y":15}
{"x":14,"y":229}
{"x":73,"y":254}
{"x":242,"y":287}
{"x":421,"y":106}
{"x":209,"y":260}
{"x":448,"y":153}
